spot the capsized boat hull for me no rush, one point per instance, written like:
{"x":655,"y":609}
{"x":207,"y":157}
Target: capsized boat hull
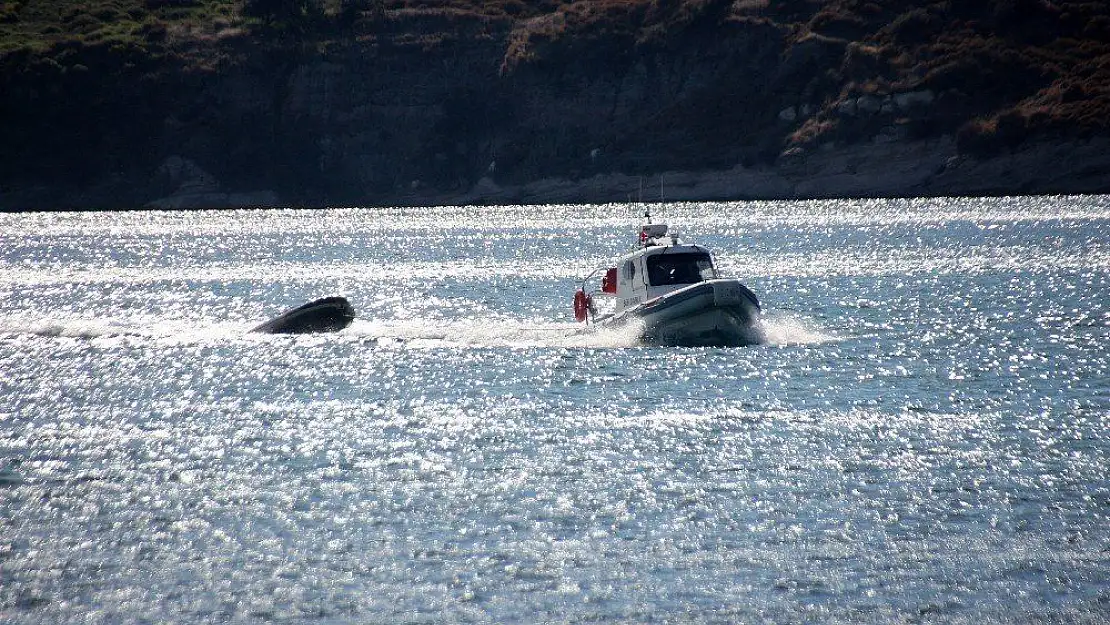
{"x":328,"y":314}
{"x":714,"y":313}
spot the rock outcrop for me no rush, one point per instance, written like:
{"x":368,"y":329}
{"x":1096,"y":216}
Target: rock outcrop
{"x":193,"y":187}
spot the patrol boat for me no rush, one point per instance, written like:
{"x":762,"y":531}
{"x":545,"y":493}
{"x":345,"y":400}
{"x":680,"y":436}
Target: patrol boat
{"x":673,"y":291}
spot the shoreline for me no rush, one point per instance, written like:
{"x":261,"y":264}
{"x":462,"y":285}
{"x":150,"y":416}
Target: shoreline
{"x":879,"y":170}
{"x":928,"y":168}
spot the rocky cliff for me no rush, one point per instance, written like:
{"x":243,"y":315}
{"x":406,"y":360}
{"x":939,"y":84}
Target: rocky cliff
{"x":413,"y":102}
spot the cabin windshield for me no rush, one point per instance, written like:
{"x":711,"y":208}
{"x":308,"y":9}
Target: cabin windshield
{"x":683,"y":268}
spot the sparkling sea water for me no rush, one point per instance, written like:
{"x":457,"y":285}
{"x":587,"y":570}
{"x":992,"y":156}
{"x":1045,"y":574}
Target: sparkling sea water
{"x":925,"y":437}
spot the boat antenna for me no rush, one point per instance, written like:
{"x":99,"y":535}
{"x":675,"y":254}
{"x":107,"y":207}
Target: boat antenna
{"x":643,"y":229}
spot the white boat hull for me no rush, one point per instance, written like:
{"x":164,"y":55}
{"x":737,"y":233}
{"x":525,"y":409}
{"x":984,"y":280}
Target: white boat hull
{"x":720,"y":312}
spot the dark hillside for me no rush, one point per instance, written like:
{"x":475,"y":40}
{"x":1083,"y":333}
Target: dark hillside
{"x":111,"y":103}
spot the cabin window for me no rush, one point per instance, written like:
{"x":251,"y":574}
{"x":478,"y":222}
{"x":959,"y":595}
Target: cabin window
{"x":684,"y":268}
{"x":629,"y":270}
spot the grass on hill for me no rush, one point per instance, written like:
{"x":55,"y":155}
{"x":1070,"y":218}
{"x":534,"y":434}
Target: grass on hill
{"x":38,"y":25}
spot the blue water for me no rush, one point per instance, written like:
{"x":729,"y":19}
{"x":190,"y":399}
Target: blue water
{"x":923,"y":439}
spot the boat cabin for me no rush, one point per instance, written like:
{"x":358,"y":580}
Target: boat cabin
{"x":660,"y":265}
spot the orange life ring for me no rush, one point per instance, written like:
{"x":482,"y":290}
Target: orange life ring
{"x":581,"y":305}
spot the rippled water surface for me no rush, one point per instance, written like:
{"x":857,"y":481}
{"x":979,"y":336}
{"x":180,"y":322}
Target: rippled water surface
{"x":924,"y":438}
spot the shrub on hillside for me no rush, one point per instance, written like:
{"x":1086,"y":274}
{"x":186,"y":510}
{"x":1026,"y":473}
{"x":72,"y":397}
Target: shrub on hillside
{"x":983,"y":138}
{"x":161,"y":4}
{"x":1012,"y":127}
{"x":277,"y":11}
{"x":976,"y":138}
{"x":838,"y":24}
{"x":916,"y":27}
{"x":9,"y":13}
